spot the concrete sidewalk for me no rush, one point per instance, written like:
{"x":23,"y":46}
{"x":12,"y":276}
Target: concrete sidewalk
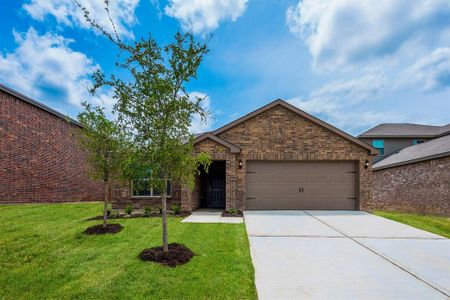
{"x":345,"y":254}
{"x":211,"y":216}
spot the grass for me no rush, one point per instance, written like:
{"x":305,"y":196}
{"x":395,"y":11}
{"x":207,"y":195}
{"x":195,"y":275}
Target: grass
{"x":44,"y":255}
{"x":436,"y":224}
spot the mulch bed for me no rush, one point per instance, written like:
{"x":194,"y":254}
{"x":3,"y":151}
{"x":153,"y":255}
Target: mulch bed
{"x":228,"y":214}
{"x":99,"y":229}
{"x":137,"y":215}
{"x":178,"y":255}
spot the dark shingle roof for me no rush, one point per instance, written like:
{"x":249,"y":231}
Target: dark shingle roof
{"x":435,"y":148}
{"x":405,"y":130}
{"x":444,"y":130}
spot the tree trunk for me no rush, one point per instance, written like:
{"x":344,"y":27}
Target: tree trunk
{"x":105,"y":204}
{"x":164,"y":217}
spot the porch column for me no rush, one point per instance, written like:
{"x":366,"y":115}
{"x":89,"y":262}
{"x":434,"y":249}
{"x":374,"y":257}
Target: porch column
{"x":231,"y":182}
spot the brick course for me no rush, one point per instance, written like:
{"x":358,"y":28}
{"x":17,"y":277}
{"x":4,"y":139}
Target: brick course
{"x":422,"y":187}
{"x":40,"y":160}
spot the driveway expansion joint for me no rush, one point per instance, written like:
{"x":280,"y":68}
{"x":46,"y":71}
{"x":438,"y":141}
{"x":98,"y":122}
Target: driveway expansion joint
{"x":432,"y":285}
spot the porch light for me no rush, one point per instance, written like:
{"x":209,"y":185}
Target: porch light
{"x":240,"y":164}
{"x":366,"y":164}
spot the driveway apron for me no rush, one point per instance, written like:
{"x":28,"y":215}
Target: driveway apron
{"x":345,"y":255}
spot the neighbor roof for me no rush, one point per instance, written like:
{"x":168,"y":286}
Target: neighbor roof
{"x":405,"y":130}
{"x":37,"y":104}
{"x":300,"y":112}
{"x":436,"y":148}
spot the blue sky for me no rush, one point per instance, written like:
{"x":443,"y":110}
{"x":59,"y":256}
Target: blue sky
{"x":353,"y":63}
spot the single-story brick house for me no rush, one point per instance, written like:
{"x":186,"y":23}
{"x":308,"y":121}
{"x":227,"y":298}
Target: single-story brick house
{"x":416,"y":179}
{"x":276,"y":157}
{"x":40,"y":160}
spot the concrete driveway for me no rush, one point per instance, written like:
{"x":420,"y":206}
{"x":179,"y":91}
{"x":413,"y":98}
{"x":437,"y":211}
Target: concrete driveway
{"x":345,"y":255}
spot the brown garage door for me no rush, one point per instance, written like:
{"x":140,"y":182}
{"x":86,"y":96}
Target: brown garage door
{"x":301,"y":185}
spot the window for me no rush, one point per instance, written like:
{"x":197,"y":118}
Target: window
{"x":415,"y":142}
{"x":379,"y":144}
{"x":142,"y":188}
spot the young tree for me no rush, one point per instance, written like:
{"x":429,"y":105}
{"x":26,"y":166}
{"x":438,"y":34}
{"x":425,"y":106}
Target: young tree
{"x":107,"y":149}
{"x":154,"y":105}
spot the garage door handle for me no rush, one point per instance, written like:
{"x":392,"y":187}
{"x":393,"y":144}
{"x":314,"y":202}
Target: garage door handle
{"x":352,"y":198}
{"x":251,"y":198}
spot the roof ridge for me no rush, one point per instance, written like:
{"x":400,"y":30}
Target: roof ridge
{"x":37,"y":104}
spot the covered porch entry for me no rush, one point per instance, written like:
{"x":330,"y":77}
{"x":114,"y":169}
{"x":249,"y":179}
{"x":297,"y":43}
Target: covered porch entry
{"x":213,"y":186}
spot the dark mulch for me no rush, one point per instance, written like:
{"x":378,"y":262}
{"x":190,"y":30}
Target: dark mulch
{"x":138,"y":215}
{"x":228,"y":214}
{"x":99,"y":229}
{"x":183,"y":214}
{"x":178,"y":255}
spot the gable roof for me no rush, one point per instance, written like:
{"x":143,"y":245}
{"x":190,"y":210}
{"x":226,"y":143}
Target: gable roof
{"x":432,"y":149}
{"x":233,"y":148}
{"x":37,"y":104}
{"x":444,"y":130}
{"x":303,"y":114}
{"x":405,"y":130}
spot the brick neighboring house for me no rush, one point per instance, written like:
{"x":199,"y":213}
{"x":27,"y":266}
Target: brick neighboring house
{"x":277,"y":157}
{"x":40,"y":160}
{"x":416,"y":179}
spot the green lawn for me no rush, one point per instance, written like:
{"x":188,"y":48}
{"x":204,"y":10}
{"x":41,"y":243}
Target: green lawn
{"x":43,"y":254}
{"x":435,"y":224}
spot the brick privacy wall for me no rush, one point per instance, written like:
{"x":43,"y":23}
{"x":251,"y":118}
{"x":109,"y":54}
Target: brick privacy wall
{"x":40,"y":160}
{"x":422,"y":187}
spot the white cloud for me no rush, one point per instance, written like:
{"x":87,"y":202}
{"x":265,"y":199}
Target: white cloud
{"x":343,"y":103}
{"x":342,"y":32}
{"x":429,"y":73}
{"x":44,"y":67}
{"x":200,"y":16}
{"x":68,"y":13}
{"x":198,"y":125}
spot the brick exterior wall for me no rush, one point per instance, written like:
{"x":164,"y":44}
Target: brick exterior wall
{"x":422,"y":187}
{"x":40,"y":160}
{"x":280,"y":134}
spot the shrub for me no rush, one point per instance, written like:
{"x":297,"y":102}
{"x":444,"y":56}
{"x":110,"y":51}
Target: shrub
{"x":128,"y":209}
{"x":233,"y":211}
{"x":147,"y":211}
{"x":155,"y":209}
{"x":176,"y":209}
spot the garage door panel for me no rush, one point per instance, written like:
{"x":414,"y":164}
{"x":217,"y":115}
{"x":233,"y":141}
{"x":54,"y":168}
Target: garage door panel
{"x":301,"y":185}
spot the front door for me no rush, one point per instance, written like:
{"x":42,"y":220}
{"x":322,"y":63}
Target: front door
{"x":213,"y":186}
{"x":216,"y":192}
